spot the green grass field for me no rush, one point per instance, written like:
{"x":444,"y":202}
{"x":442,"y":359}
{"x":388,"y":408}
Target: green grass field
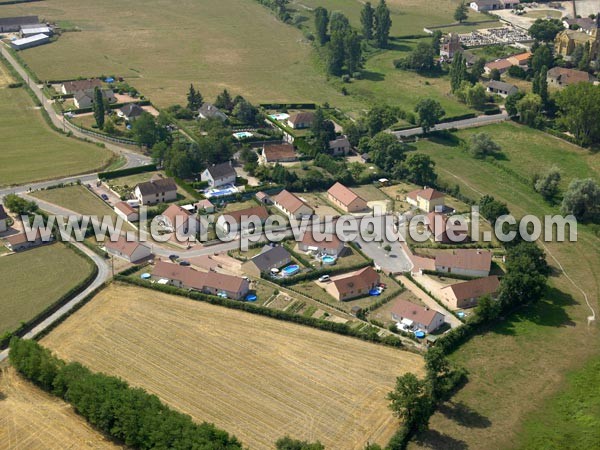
{"x":76,"y":198}
{"x":520,"y":364}
{"x":31,"y":151}
{"x":32,"y":281}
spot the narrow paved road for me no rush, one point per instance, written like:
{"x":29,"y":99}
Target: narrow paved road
{"x":133,"y":158}
{"x":101,"y":277}
{"x":459,"y":124}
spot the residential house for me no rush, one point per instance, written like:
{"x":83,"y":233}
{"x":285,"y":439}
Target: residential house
{"x":416,"y":316}
{"x":180,"y":220}
{"x":30,"y":41}
{"x":521,"y":60}
{"x":353,"y":284}
{"x":292,"y":206}
{"x":426,"y":199}
{"x":470,"y":262}
{"x":278,"y":153}
{"x":492,"y":5}
{"x":130,"y":111}
{"x":445,"y":231}
{"x":346,"y":199}
{"x":263,"y":198}
{"x":132,"y":251}
{"x":502,"y":65}
{"x":301,"y":120}
{"x":71,"y":87}
{"x":127,"y":212}
{"x":269,"y":258}
{"x":560,"y":77}
{"x":330,"y":244}
{"x":14,"y":24}
{"x":20,"y":241}
{"x":85,"y":99}
{"x":204,"y":206}
{"x":340,"y":146}
{"x":234,"y":221}
{"x":157,"y":190}
{"x":219,"y":175}
{"x":212,"y":283}
{"x":208,"y":111}
{"x":3,"y":219}
{"x":450,"y":45}
{"x":466,"y":294}
{"x":501,"y":88}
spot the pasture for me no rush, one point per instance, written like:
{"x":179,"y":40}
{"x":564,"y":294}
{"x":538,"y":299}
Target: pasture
{"x":237,"y":45}
{"x":31,"y":151}
{"x":528,"y":355}
{"x":34,"y":420}
{"x":32,"y":281}
{"x":255,"y":377}
{"x":77,"y":198}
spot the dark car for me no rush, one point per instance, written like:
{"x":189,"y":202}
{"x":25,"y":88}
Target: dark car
{"x":173,"y":257}
{"x":104,"y":197}
{"x":184,"y":263}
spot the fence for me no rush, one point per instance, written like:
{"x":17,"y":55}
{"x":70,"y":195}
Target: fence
{"x":102,"y":137}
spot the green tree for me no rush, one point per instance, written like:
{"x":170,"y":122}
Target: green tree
{"x":495,"y":74}
{"x":579,"y":110}
{"x":353,"y":51}
{"x":98,"y":107}
{"x":19,"y":206}
{"x":410,"y":402}
{"x":224,"y":101}
{"x":477,"y":70}
{"x":321,"y":24}
{"x":491,"y":209}
{"x":542,"y":57}
{"x":287,"y":443}
{"x":530,"y":110}
{"x":482,"y":145}
{"x":546,"y":29}
{"x":159,"y":152}
{"x":547,"y":184}
{"x":379,"y":118}
{"x":144,"y":130}
{"x":437,"y":369}
{"x":487,"y":308}
{"x":385,"y":150}
{"x":245,"y":112}
{"x":194,"y":99}
{"x":420,"y":169}
{"x":383,"y":24}
{"x":458,"y":72}
{"x":461,"y":13}
{"x":511,"y":103}
{"x":336,"y":54}
{"x":526,"y":275}
{"x":422,"y":58}
{"x":473,"y":95}
{"x":429,"y":113}
{"x":582,"y":199}
{"x":367,"y":20}
{"x":338,"y":23}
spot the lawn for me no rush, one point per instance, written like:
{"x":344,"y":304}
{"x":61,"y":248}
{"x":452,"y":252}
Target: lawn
{"x":261,"y":378}
{"x":238,"y":45}
{"x":520,"y":364}
{"x":76,"y":198}
{"x":33,"y":280}
{"x":31,"y":151}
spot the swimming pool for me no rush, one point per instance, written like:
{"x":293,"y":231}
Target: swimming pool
{"x":290,"y":270}
{"x":328,"y":260}
{"x":242,"y":135}
{"x":221,"y":191}
{"x":279,"y":116}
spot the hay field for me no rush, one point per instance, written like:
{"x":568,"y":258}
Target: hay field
{"x":31,"y":419}
{"x":255,"y":377}
{"x":162,"y":47}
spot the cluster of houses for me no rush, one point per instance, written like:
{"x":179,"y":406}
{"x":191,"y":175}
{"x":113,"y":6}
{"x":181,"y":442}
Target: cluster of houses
{"x":31,"y":32}
{"x":20,"y":241}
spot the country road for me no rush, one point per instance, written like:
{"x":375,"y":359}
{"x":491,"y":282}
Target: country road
{"x":458,"y":124}
{"x":133,"y":158}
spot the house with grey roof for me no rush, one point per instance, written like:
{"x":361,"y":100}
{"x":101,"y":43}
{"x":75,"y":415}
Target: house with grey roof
{"x":501,"y":88}
{"x":209,"y":111}
{"x":157,"y":190}
{"x":269,"y":258}
{"x":14,"y":24}
{"x":130,"y":111}
{"x":219,"y":175}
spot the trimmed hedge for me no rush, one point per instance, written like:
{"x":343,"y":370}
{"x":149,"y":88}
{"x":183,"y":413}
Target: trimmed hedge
{"x":128,"y":171}
{"x":288,"y":105}
{"x":189,"y":189}
{"x":455,"y":118}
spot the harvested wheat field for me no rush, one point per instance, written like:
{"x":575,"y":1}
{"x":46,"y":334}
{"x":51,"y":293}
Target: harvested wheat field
{"x":255,"y":377}
{"x":31,"y":419}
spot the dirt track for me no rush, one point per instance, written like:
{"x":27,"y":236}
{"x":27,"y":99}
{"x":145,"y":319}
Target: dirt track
{"x":30,"y":419}
{"x":257,"y":378}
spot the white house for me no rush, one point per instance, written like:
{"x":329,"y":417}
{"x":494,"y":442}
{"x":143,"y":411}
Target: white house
{"x":85,"y":99}
{"x":3,"y":219}
{"x":231,"y":222}
{"x":416,"y":316}
{"x":470,"y":262}
{"x":131,"y":251}
{"x":130,"y":112}
{"x":340,"y":146}
{"x":292,"y":206}
{"x":219,"y":175}
{"x":127,"y":212}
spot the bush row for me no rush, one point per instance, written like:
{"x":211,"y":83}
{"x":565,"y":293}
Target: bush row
{"x":128,"y":171}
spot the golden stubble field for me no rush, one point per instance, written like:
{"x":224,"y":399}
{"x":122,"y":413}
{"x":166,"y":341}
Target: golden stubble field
{"x":31,"y":419}
{"x":255,"y":377}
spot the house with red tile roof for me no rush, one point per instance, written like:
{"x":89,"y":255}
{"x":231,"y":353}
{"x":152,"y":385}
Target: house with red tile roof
{"x":132,"y":251}
{"x":425,"y":199}
{"x":469,"y":262}
{"x":278,"y":153}
{"x":20,"y":241}
{"x":292,"y":206}
{"x":353,"y":284}
{"x":346,"y":199}
{"x":416,"y":316}
{"x":232,"y":221}
{"x":127,"y":212}
{"x":329,"y":245}
{"x":467,"y":293}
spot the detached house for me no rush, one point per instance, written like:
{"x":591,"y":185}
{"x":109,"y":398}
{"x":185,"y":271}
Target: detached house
{"x":330,"y":244}
{"x":470,"y":262}
{"x":292,"y":206}
{"x":180,"y":220}
{"x":131,"y":251}
{"x":416,"y":316}
{"x":301,"y":120}
{"x":71,"y":87}
{"x":501,"y":88}
{"x":85,"y":99}
{"x":466,"y":294}
{"x":20,"y":241}
{"x":278,"y":153}
{"x":233,"y":221}
{"x":3,"y":219}
{"x":127,"y":212}
{"x":561,"y":77}
{"x":269,"y":258}
{"x":130,"y":112}
{"x":425,"y":199}
{"x":346,"y":199}
{"x":157,"y":190}
{"x":219,"y":175}
{"x":340,"y":146}
{"x":354,"y":284}
{"x":208,"y":111}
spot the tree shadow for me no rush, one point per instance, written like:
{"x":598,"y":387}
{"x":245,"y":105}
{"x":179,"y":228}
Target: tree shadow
{"x":445,"y":138}
{"x":398,"y":46}
{"x":298,"y":20}
{"x":464,"y":415}
{"x":372,"y":76}
{"x":549,"y":312}
{"x":435,"y":440}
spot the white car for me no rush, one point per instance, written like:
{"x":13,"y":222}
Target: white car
{"x":324,"y":278}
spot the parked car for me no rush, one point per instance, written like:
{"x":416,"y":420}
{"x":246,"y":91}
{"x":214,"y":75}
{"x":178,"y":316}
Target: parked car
{"x":104,"y":197}
{"x":184,"y":263}
{"x":173,"y":257}
{"x":324,"y":278}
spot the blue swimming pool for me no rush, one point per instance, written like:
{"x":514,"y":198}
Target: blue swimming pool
{"x":225,"y":190}
{"x":251,"y":298}
{"x":290,"y":270}
{"x":328,"y":260}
